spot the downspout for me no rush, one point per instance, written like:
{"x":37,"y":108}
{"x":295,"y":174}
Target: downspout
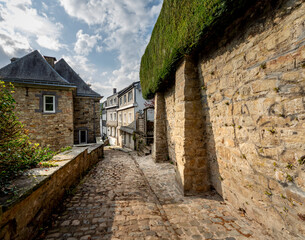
{"x":94,"y":128}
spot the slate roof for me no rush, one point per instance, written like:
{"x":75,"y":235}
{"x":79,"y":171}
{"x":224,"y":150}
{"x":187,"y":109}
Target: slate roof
{"x":33,"y":69}
{"x":126,"y":89}
{"x":63,"y":68}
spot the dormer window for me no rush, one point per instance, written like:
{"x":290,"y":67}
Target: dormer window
{"x":48,"y":103}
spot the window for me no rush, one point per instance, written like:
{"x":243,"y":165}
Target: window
{"x":111,"y":116}
{"x":120,"y":100}
{"x":129,"y":96}
{"x":49,"y":104}
{"x":114,"y":101}
{"x":129,"y":118}
{"x":125,"y":98}
{"x":111,"y":102}
{"x":120,"y":117}
{"x":114,"y":116}
{"x":82,"y":136}
{"x":125,"y":119}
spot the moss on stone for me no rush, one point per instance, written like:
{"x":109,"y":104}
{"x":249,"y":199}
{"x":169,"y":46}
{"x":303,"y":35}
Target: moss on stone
{"x":181,"y":28}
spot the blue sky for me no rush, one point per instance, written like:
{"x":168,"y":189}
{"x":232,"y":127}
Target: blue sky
{"x":103,"y":40}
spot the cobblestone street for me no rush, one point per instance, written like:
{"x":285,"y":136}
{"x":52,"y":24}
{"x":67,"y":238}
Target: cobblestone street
{"x":131,"y":197}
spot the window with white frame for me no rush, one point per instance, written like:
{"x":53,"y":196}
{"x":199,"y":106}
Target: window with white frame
{"x":125,"y":98}
{"x":120,"y":117}
{"x":129,"y":96}
{"x":125,"y":119}
{"x":48,"y":103}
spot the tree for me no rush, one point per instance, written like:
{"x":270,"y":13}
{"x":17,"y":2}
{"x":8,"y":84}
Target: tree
{"x":17,"y":153}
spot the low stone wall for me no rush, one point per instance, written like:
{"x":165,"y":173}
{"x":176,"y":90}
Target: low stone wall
{"x":40,"y":190}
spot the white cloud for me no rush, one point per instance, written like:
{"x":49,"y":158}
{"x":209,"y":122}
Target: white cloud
{"x":85,"y":43}
{"x":125,"y":25}
{"x":50,"y":43}
{"x":21,"y":23}
{"x":82,"y":66}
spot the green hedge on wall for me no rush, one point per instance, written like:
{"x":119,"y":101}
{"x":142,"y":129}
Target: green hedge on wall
{"x":180,"y":28}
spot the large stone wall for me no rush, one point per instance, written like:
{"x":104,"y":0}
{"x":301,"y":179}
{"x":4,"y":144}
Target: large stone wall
{"x":40,"y":191}
{"x":86,"y":117}
{"x":53,"y":129}
{"x":169,"y":97}
{"x":253,"y":101}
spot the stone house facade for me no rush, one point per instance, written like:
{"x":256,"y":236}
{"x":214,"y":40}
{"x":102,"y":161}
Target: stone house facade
{"x":112,"y":121}
{"x":45,"y":101}
{"x":232,"y":118}
{"x":86,"y":106}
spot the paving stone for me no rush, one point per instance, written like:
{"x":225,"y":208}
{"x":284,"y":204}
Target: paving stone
{"x":131,"y":197}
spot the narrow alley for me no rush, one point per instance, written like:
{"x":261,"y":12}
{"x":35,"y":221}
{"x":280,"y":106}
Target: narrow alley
{"x":131,"y":197}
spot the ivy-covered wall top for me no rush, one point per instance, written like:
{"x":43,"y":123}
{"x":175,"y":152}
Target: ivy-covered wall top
{"x":180,"y":28}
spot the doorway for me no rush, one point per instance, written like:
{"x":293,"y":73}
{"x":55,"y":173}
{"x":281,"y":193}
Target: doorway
{"x":83,"y":138}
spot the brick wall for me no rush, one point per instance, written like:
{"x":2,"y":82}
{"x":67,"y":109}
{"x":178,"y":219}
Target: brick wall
{"x":53,"y":129}
{"x":86,"y":117}
{"x":252,"y":96}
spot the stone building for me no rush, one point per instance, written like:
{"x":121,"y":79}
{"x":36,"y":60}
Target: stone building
{"x":230,"y":114}
{"x":86,"y":105}
{"x":130,"y":102}
{"x":45,"y":101}
{"x":104,"y":120}
{"x":112,"y":121}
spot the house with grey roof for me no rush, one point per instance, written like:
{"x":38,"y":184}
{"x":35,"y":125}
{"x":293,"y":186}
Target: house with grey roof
{"x":86,"y":104}
{"x":49,"y":102}
{"x":130,"y":103}
{"x":111,"y":119}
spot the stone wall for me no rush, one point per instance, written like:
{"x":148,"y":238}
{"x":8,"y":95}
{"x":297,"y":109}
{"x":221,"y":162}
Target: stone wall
{"x":86,"y":117}
{"x":41,"y":190}
{"x":252,"y":94}
{"x":169,"y":96}
{"x":53,"y":129}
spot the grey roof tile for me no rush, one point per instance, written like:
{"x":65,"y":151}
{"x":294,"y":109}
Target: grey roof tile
{"x":83,"y":89}
{"x":32,"y":69}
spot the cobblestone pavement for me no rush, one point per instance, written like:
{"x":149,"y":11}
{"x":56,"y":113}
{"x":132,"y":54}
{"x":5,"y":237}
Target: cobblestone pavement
{"x":131,"y":197}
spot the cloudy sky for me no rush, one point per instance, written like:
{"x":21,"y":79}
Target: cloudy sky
{"x":103,"y":40}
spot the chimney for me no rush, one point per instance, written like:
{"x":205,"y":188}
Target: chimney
{"x":50,"y":60}
{"x":14,"y":59}
{"x":114,"y":91}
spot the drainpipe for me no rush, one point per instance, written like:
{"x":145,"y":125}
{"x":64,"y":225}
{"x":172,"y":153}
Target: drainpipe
{"x":94,"y":121}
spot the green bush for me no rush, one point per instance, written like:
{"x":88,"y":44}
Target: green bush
{"x":17,"y":153}
{"x":182,"y":26}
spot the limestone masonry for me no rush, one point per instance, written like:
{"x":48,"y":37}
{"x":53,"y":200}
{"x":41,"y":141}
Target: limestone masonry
{"x":59,"y":126}
{"x":233,"y":119}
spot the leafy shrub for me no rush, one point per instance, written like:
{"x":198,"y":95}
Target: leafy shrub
{"x":17,"y":153}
